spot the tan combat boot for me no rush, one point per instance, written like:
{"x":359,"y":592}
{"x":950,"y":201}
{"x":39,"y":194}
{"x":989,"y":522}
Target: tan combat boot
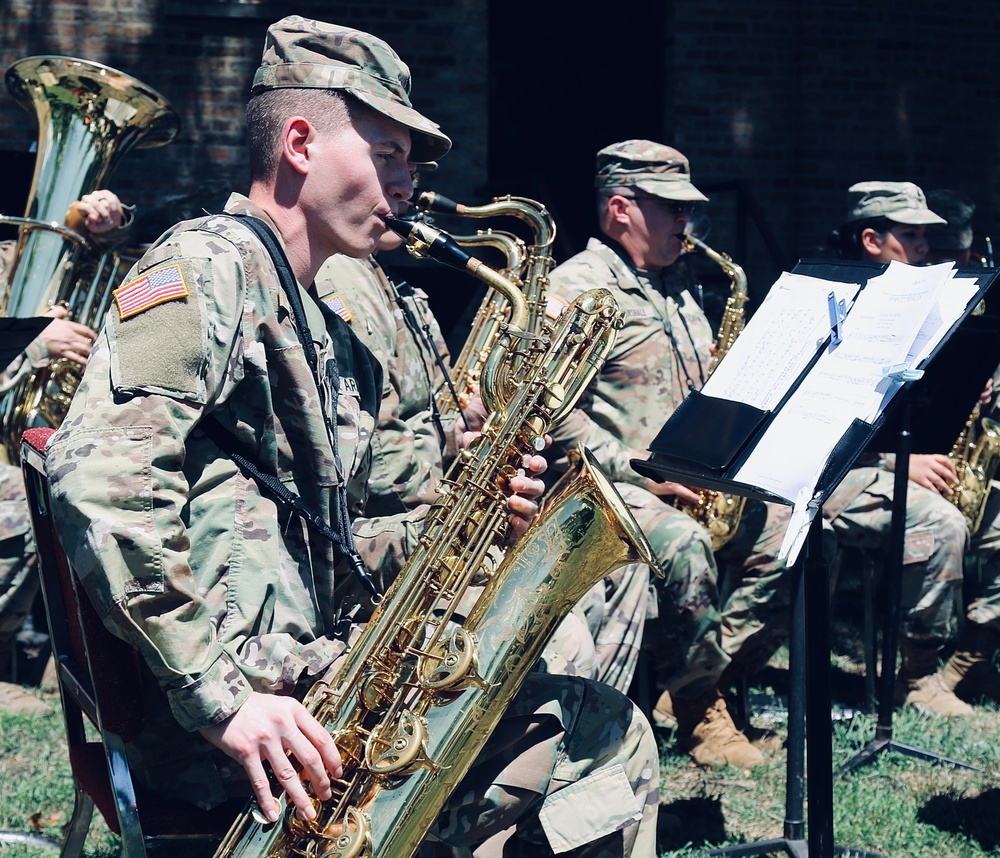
{"x":17,"y":700}
{"x":707,"y":732}
{"x":760,"y":737}
{"x":970,"y":672}
{"x":919,"y":684}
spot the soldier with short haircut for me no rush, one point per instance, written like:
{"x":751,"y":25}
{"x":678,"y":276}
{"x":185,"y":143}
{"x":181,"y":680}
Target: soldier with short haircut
{"x":236,"y":604}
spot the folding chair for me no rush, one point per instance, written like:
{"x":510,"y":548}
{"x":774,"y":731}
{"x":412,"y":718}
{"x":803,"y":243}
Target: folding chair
{"x":99,"y":679}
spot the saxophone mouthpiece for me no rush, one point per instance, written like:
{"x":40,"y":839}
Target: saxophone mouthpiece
{"x":425,"y":240}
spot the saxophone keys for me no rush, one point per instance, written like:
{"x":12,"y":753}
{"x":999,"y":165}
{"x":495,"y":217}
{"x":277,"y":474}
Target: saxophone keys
{"x":402,"y":751}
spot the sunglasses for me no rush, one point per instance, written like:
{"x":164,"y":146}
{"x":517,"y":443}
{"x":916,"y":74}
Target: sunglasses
{"x":672,"y":206}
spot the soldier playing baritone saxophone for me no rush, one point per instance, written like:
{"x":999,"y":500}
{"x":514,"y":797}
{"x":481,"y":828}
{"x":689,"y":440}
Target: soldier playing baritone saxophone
{"x":236,"y":604}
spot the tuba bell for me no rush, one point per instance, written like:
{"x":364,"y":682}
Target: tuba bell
{"x":88,"y":116}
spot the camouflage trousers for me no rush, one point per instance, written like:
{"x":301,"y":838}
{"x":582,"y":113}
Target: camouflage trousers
{"x":984,"y":571}
{"x":860,"y":512}
{"x":572,"y":767}
{"x":18,"y":576}
{"x":709,"y":609}
{"x":601,"y":638}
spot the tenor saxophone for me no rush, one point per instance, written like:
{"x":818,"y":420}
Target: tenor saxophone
{"x":718,"y":511}
{"x":535,"y":278}
{"x":423,"y":687}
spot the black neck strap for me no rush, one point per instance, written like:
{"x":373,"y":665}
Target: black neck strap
{"x":342,"y":539}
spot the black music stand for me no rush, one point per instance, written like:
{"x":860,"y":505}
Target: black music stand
{"x":682,"y":453}
{"x":928,"y":420}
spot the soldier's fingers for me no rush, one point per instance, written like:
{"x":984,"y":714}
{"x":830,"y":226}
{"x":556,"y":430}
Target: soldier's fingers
{"x":288,"y":779}
{"x":322,"y":758}
{"x":261,"y":788}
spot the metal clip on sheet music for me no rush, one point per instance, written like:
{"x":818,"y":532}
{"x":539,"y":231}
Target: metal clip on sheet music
{"x":838,"y":312}
{"x":901,"y":372}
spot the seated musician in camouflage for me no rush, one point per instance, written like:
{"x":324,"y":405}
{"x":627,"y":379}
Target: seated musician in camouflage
{"x":237,"y":605}
{"x":414,"y":446}
{"x":971,"y":670}
{"x":887,"y":221}
{"x":697,"y":639}
{"x":102,"y":216}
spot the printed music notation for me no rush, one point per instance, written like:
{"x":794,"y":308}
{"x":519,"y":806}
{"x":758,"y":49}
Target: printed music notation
{"x":891,"y":326}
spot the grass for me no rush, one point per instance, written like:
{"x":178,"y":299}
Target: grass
{"x":895,"y":805}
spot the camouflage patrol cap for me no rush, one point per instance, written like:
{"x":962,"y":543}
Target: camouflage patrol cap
{"x":957,"y":209}
{"x":902,"y":202}
{"x":300,"y":53}
{"x":651,"y":167}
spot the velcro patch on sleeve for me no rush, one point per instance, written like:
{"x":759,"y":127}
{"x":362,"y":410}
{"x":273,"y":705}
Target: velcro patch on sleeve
{"x":154,"y":287}
{"x":554,"y":306}
{"x":336,"y":303}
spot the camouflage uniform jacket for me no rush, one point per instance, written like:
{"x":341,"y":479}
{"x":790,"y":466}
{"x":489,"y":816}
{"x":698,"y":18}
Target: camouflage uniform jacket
{"x":222,"y":591}
{"x":407,"y":458}
{"x":660,"y":354}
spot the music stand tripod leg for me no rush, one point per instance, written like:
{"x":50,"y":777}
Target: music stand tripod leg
{"x":805,"y":700}
{"x":883,"y":740}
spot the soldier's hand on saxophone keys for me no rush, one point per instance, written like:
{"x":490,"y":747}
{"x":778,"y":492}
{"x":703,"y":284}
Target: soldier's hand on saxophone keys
{"x":278,"y":730}
{"x":933,"y":471}
{"x":668,"y":489}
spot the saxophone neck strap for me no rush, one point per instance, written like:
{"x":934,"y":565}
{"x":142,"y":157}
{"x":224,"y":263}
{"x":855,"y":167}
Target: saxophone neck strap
{"x":343,"y":538}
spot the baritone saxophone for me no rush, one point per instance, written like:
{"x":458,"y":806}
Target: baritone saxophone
{"x":718,"y":511}
{"x":424,"y":686}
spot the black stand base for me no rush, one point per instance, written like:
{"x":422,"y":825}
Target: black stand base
{"x":808,"y":700}
{"x":886,"y":743}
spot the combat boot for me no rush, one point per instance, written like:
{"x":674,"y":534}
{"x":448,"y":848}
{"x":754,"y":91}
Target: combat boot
{"x":760,"y":737}
{"x":707,"y":732}
{"x":970,"y":672}
{"x":919,"y":684}
{"x":17,"y":700}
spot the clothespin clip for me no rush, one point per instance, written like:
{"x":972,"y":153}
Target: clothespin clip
{"x":838,"y":312}
{"x":901,"y":372}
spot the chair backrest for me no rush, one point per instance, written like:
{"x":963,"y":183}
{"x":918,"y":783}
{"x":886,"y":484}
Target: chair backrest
{"x":105,"y":668}
{"x":99,"y":678}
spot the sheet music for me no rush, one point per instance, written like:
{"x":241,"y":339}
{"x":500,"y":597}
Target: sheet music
{"x":892,"y":321}
{"x":778,"y":342}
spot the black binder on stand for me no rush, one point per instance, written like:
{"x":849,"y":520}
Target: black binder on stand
{"x":684,"y":452}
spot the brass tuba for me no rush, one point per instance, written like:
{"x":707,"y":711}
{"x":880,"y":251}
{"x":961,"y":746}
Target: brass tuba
{"x":718,"y":511}
{"x":88,"y":116}
{"x":975,"y":455}
{"x":424,"y":686}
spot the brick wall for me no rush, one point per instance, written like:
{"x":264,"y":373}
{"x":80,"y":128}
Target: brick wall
{"x":201,"y":57}
{"x":780,"y":104}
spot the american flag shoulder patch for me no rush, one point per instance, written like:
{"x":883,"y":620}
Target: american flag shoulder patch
{"x":336,"y":303}
{"x":154,"y":287}
{"x":554,"y":305}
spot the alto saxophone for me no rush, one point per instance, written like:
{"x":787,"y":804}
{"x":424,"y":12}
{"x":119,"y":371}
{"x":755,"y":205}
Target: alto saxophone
{"x":975,"y":455}
{"x":718,"y":511}
{"x":421,"y":690}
